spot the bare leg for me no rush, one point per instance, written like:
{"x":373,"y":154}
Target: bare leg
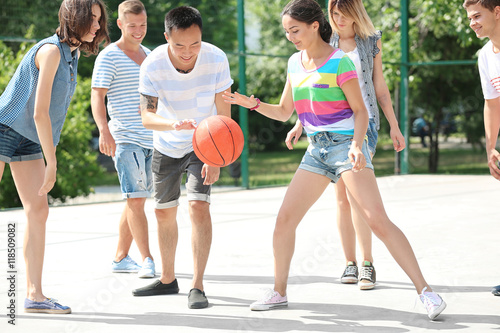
{"x":124,"y":237}
{"x":201,"y":239}
{"x":138,"y":224}
{"x":304,"y":190}
{"x":28,"y":177}
{"x":344,"y":223}
{"x":363,"y":234}
{"x":363,"y":189}
{"x":167,"y":237}
{"x":2,"y":167}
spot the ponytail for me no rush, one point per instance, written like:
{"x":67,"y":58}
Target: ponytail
{"x":325,"y":30}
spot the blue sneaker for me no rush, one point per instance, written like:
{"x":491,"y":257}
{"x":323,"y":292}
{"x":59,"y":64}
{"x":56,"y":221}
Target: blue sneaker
{"x":126,"y":265}
{"x":148,"y":269}
{"x":50,"y":305}
{"x":496,"y":291}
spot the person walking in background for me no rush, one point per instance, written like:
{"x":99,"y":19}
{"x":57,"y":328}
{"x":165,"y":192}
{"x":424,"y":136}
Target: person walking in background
{"x":484,"y":16}
{"x":181,"y":84}
{"x":322,"y":86}
{"x":32,"y":113}
{"x":355,"y":35}
{"x":124,"y":138}
{"x":420,"y":129}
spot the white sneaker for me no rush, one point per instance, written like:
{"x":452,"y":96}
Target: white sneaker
{"x":433,"y":303}
{"x":271,"y":300}
{"x":148,"y":269}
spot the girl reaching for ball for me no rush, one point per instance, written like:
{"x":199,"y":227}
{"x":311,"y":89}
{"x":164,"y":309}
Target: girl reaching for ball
{"x":322,"y":86}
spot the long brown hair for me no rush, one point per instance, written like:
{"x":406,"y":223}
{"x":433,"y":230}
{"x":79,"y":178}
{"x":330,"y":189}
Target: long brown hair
{"x":75,"y":21}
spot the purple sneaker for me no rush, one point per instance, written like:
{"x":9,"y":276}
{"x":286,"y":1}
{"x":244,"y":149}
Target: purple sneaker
{"x":271,"y":300}
{"x":50,"y":305}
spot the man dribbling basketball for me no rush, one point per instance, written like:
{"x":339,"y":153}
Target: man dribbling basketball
{"x":181,"y":83}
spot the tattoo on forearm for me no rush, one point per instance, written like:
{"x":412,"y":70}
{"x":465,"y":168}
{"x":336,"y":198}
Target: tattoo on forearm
{"x":149,"y":103}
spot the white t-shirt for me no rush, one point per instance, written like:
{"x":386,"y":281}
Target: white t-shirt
{"x":489,"y":69}
{"x":183,"y":96}
{"x":115,"y":71}
{"x":354,"y":55}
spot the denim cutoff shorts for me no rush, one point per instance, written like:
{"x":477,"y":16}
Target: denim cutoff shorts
{"x":372,"y":135}
{"x":133,"y":165}
{"x":327,"y":155}
{"x":168,"y":173}
{"x":16,"y":148}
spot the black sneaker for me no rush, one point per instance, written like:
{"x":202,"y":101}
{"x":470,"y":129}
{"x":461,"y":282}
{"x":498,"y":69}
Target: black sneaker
{"x":350,"y":273}
{"x":197,"y":299}
{"x":367,"y":276}
{"x":496,"y":291}
{"x":157,"y":288}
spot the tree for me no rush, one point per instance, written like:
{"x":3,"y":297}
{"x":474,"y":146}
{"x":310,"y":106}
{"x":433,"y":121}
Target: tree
{"x":266,"y":75}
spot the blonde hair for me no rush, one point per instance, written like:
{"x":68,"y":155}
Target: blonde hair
{"x":354,"y":10}
{"x":130,"y":7}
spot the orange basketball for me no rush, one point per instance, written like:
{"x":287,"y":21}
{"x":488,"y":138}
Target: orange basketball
{"x":218,"y":141}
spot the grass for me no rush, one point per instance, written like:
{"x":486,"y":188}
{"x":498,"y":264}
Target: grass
{"x":278,"y":167}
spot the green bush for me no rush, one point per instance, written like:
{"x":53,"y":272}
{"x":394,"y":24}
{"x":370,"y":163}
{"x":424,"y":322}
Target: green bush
{"x":77,"y":167}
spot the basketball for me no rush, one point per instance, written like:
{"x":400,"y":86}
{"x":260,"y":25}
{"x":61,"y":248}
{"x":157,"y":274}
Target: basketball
{"x":218,"y":141}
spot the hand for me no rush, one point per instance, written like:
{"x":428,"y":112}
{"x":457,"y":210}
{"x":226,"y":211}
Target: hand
{"x":210,"y":174}
{"x":186,"y":124}
{"x":293,"y":136}
{"x":49,"y":179}
{"x":398,"y":140}
{"x":239,"y":99}
{"x":493,"y":160}
{"x":357,"y":158}
{"x":107,"y":145}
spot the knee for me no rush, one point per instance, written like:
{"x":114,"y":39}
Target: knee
{"x":343,"y":204}
{"x":38,"y":211}
{"x":164,"y":215}
{"x":379,"y":223}
{"x":199,"y":211}
{"x":136,"y":203}
{"x":284,"y":226}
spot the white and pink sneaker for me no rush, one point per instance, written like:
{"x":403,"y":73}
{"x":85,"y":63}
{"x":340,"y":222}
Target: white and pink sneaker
{"x":271,"y":300}
{"x":433,"y":303}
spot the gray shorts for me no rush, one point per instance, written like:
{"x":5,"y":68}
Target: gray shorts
{"x":167,"y":177}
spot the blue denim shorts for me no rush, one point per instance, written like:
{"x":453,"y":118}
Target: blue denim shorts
{"x":16,"y":148}
{"x":327,"y":155}
{"x":168,"y":173}
{"x":372,"y":135}
{"x":133,"y":165}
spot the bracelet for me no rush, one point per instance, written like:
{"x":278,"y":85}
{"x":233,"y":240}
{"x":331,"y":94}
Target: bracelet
{"x":257,"y":106}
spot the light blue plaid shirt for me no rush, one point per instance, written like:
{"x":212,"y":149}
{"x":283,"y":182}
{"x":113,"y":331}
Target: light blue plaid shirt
{"x":17,"y":103}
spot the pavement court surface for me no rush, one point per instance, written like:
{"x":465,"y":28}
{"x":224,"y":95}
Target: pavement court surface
{"x":452,"y":223}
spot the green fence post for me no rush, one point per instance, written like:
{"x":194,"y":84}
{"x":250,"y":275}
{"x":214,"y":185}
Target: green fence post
{"x":243,"y":90}
{"x":403,"y":96}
